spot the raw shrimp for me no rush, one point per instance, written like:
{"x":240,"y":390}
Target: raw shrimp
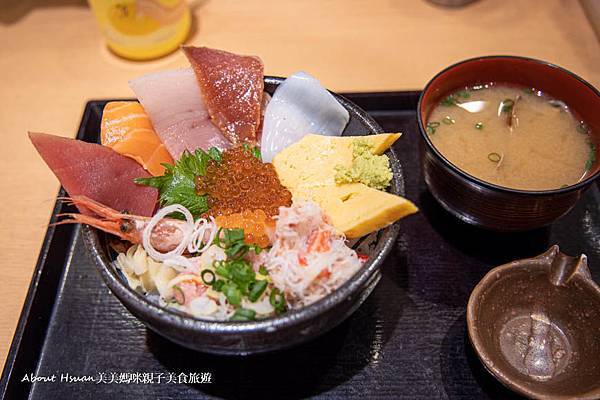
{"x":166,"y":235}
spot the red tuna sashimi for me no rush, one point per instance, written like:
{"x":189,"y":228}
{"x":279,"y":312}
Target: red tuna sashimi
{"x":97,"y":172}
{"x":232,"y":86}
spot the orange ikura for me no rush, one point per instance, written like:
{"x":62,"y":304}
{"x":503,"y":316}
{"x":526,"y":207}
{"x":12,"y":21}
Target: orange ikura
{"x":241,"y":182}
{"x":258,"y":227}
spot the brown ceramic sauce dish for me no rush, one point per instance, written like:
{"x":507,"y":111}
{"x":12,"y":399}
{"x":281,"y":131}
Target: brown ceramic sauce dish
{"x":481,"y":203}
{"x":535,"y":325}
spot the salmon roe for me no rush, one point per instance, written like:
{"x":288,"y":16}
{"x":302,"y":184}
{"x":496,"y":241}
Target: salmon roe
{"x":258,"y":227}
{"x":241,"y":182}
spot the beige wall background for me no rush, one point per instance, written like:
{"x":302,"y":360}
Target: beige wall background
{"x":52,"y":60}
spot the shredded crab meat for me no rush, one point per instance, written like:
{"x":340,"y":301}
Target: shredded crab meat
{"x":309,"y":259}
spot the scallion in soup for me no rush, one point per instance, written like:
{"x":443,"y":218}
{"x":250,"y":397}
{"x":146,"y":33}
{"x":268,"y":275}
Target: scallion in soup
{"x":514,"y":137}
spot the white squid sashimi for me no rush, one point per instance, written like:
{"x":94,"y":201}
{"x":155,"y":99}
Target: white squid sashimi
{"x":300,"y":106}
{"x":174,"y":104}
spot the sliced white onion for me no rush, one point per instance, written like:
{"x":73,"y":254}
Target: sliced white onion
{"x":202,"y":306}
{"x":262,"y":307}
{"x":185,"y":277}
{"x":185,"y":228}
{"x":197,"y":238}
{"x":300,"y":106}
{"x":212,"y":254}
{"x":180,"y":263}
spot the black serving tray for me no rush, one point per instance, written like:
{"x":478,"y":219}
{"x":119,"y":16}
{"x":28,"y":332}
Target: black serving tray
{"x":408,"y":340}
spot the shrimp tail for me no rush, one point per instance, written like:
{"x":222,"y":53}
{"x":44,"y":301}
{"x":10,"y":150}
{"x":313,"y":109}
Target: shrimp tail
{"x":95,"y":207}
{"x":106,"y":218}
{"x":166,"y":235}
{"x":104,"y":225}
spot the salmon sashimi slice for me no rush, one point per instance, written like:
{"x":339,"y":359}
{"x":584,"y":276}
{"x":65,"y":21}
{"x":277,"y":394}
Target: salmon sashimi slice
{"x":173,"y":101}
{"x":126,"y":128}
{"x":97,"y":172}
{"x":232,"y":86}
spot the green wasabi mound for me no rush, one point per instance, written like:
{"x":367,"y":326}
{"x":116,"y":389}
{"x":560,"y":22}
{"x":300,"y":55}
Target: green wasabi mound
{"x":367,"y":168}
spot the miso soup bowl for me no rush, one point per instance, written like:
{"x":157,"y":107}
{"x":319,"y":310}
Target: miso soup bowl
{"x":481,"y":203}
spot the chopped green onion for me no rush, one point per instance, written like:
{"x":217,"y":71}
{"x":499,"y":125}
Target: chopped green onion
{"x":591,"y":157}
{"x":448,"y":101}
{"x":208,"y":277}
{"x":243,"y":314}
{"x":257,"y":288}
{"x":233,"y":294}
{"x":582,"y":127}
{"x":237,"y":250}
{"x":222,"y":270}
{"x":432,"y":126}
{"x":233,"y":235}
{"x":464,"y":94}
{"x":217,"y":239}
{"x":254,"y":150}
{"x":237,"y":278}
{"x":241,"y":272}
{"x":452,"y":100}
{"x":244,"y":288}
{"x":181,"y":298}
{"x":277,"y":300}
{"x":233,"y":244}
{"x":256,"y":153}
{"x":215,"y":154}
{"x":448,"y":120}
{"x":479,"y":125}
{"x":557,"y":104}
{"x":218,"y":285}
{"x":507,"y":105}
{"x":528,"y":90}
{"x":263,"y":270}
{"x":494,"y":157}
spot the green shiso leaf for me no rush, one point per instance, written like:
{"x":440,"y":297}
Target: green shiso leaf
{"x":178,"y":184}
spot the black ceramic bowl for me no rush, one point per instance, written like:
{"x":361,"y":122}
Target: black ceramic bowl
{"x":291,"y":328}
{"x":485,"y":204}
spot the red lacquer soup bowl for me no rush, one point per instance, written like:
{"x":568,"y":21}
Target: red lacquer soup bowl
{"x":485,"y":204}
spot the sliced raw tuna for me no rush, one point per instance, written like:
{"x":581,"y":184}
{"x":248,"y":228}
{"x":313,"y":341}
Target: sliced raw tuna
{"x":174,"y":103}
{"x":97,"y":172}
{"x":232,"y":86}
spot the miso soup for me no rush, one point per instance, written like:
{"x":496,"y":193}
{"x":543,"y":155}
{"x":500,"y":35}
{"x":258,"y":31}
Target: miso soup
{"x":513,"y":137}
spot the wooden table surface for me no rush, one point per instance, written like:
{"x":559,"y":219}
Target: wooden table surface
{"x":52,"y":60}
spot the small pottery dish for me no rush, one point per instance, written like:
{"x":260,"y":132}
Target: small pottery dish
{"x":485,"y":204}
{"x":285,"y":330}
{"x":535,"y":325}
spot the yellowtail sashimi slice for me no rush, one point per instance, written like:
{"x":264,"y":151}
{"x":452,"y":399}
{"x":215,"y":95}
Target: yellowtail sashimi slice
{"x":174,"y":103}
